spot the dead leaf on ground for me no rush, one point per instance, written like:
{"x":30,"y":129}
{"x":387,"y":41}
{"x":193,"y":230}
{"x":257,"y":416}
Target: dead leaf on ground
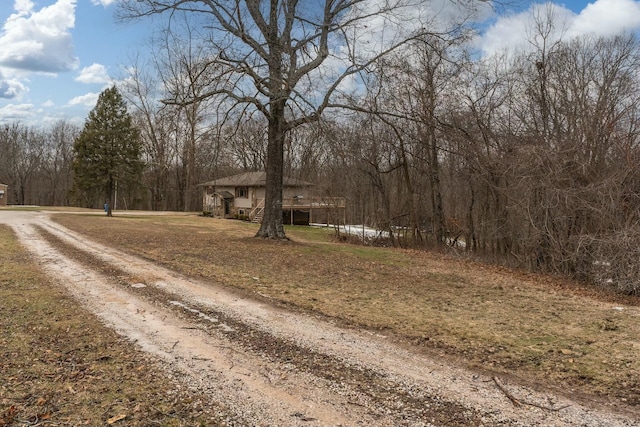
{"x":117,"y":418}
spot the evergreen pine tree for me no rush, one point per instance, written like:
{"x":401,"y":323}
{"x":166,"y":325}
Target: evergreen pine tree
{"x":107,"y":153}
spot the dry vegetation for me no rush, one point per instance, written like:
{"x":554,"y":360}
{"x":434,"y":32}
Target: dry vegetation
{"x":61,"y":367}
{"x":543,"y":330}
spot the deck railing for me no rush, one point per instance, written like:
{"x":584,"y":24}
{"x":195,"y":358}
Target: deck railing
{"x":300,"y":203}
{"x":257,"y":211}
{"x":313,"y":202}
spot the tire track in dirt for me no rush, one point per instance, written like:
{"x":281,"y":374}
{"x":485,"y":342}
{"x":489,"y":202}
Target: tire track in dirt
{"x":380,"y":400}
{"x":205,"y":344}
{"x":363,"y":386}
{"x":209,"y":364}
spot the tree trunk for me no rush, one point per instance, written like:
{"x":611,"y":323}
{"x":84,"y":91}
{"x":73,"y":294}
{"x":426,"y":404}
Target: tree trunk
{"x":470,"y":233}
{"x":436,"y":192}
{"x":413,"y":199}
{"x":110,"y":197}
{"x":272,"y":226}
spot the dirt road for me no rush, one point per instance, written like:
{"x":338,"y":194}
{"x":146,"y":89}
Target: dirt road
{"x":275,"y":367}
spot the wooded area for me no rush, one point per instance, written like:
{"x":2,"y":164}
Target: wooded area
{"x":529,"y":158}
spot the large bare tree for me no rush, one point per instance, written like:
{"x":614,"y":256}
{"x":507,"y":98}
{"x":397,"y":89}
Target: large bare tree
{"x":290,"y":60}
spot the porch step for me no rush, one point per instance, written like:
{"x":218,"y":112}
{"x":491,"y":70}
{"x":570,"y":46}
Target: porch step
{"x":257,"y":218}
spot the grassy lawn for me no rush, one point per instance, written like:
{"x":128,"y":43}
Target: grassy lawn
{"x":541,"y":329}
{"x":61,"y":366}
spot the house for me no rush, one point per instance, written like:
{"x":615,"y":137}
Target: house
{"x":242,"y":197}
{"x":3,"y":194}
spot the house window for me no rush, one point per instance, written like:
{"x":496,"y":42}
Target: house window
{"x":242,"y":192}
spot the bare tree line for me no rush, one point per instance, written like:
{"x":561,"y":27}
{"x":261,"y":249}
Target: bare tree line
{"x":36,"y":163}
{"x":528,"y":159}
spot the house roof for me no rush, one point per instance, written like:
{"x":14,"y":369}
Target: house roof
{"x":224,"y":194}
{"x":253,"y":179}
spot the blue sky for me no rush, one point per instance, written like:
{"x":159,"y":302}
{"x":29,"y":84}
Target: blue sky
{"x":56,"y":56}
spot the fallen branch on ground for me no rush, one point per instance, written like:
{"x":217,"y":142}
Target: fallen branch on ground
{"x":518,"y":402}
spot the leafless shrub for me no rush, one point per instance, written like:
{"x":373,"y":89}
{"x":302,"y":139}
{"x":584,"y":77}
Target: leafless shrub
{"x":616,"y":261}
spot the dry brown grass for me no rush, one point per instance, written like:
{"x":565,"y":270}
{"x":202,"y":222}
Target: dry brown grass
{"x":60,"y":366}
{"x":543,"y":330}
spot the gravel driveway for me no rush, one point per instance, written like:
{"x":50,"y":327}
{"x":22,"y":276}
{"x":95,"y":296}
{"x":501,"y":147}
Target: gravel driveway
{"x":275,"y":367}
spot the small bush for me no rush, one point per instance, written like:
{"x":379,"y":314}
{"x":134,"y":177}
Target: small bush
{"x":617,"y":261}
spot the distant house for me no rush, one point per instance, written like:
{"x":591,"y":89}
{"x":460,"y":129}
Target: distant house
{"x":3,"y":194}
{"x":242,"y":196}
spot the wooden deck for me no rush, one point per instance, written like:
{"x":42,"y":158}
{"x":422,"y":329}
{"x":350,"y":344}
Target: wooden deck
{"x":314,"y":203}
{"x":330,"y":206}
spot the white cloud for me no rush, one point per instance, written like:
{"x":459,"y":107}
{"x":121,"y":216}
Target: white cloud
{"x":602,"y":17}
{"x":48,"y":104}
{"x":11,"y":88}
{"x":94,"y":73}
{"x":376,"y":26}
{"x":372,"y":27}
{"x":607,"y":17}
{"x":105,"y":3}
{"x":12,"y":112}
{"x":507,"y":32}
{"x":514,"y":31}
{"x":39,"y":41}
{"x":87,"y":100}
{"x":23,"y":6}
